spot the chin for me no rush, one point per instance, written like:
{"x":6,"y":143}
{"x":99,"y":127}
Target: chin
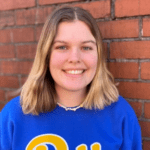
{"x":75,"y":89}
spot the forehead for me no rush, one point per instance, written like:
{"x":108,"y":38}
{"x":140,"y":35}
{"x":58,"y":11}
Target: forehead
{"x":75,"y":30}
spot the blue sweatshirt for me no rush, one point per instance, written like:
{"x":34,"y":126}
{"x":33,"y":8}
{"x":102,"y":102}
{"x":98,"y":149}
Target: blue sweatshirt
{"x":113,"y":128}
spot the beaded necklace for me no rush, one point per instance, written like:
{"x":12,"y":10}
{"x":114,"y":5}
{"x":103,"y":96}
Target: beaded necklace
{"x":70,"y":108}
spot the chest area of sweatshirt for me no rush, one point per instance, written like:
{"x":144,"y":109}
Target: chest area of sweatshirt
{"x":69,"y":131}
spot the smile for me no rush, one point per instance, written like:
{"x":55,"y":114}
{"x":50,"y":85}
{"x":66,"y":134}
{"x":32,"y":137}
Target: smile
{"x":74,"y":71}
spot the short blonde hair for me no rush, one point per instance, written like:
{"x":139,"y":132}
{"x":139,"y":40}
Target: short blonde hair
{"x":38,"y":93}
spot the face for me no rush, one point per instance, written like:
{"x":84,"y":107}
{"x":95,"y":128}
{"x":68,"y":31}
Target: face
{"x":74,"y":57}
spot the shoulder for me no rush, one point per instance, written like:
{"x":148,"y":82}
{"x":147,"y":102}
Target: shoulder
{"x":123,"y":108}
{"x":12,"y":107}
{"x":124,"y":105}
{"x":131,"y":129}
{"x":14,"y":103}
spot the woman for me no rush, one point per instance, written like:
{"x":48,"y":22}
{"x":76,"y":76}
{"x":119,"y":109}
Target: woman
{"x":69,"y":100}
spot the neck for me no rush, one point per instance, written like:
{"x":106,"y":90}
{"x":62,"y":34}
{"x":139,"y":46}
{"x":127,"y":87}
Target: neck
{"x":70,"y":98}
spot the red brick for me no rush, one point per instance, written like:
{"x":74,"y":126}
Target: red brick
{"x":145,"y":128}
{"x":23,"y":79}
{"x":9,"y":82}
{"x":119,"y":28}
{"x":2,"y":95}
{"x":132,"y":7}
{"x":5,"y":36}
{"x":6,"y":19}
{"x":126,"y":8}
{"x":128,"y":70}
{"x":0,"y":67}
{"x":136,"y":90}
{"x":15,"y":4}
{"x":42,"y":14}
{"x":105,"y":49}
{"x":98,"y":9}
{"x":7,"y":51}
{"x":147,"y":110}
{"x":1,"y":106}
{"x":145,"y":70}
{"x":146,"y":145}
{"x":12,"y":94}
{"x":137,"y":106}
{"x":38,"y":32}
{"x":16,"y":67}
{"x":33,"y":16}
{"x":146,"y":27}
{"x":26,"y":51}
{"x":144,"y":7}
{"x":133,"y":49}
{"x":44,"y":2}
{"x":23,"y":35}
{"x":25,"y":17}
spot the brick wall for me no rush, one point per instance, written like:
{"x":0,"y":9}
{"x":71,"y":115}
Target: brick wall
{"x":125,"y":27}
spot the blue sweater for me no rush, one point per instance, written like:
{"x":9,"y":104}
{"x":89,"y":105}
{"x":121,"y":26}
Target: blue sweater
{"x":113,"y":128}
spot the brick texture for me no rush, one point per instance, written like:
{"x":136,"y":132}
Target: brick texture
{"x":145,"y":70}
{"x":5,"y":36}
{"x":9,"y":82}
{"x":11,"y":94}
{"x":147,"y":110}
{"x":131,"y":8}
{"x":119,"y":28}
{"x":127,"y":70}
{"x":98,"y":9}
{"x":15,"y":4}
{"x":1,"y":105}
{"x":44,"y":2}
{"x":23,"y":79}
{"x":135,"y":90}
{"x":16,"y":67}
{"x":145,"y":128}
{"x":137,"y":106}
{"x":26,"y":51}
{"x":132,"y":50}
{"x":6,"y":19}
{"x":144,"y":7}
{"x":7,"y":51}
{"x":42,"y":14}
{"x":23,"y":35}
{"x":2,"y":95}
{"x":38,"y":32}
{"x":126,"y":8}
{"x":105,"y":49}
{"x":25,"y":17}
{"x":146,"y":145}
{"x":146,"y":25}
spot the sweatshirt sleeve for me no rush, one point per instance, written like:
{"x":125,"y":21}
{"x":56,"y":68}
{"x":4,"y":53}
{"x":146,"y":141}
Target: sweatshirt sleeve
{"x":6,"y":130}
{"x":131,"y":132}
{"x":0,"y":129}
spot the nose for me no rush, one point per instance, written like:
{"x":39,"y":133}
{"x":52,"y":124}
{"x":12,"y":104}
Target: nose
{"x":74,"y":56}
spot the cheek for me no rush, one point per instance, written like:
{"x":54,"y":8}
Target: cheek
{"x":92,"y":61}
{"x":55,"y":60}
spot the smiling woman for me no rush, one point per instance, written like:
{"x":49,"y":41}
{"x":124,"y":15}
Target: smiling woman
{"x":69,"y":100}
{"x":73,"y":62}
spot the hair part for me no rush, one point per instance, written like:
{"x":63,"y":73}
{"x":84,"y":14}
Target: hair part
{"x":38,"y":93}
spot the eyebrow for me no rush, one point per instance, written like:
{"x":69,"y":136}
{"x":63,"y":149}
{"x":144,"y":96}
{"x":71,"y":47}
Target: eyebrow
{"x":89,"y":41}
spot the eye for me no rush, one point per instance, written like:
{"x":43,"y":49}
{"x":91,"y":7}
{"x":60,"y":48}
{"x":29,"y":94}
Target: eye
{"x":87,"y":48}
{"x":61,"y":47}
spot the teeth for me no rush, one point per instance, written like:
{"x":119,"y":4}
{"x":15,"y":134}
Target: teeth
{"x":75,"y":71}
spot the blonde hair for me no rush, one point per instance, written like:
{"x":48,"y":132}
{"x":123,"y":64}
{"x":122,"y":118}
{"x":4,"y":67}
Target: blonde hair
{"x":38,"y":93}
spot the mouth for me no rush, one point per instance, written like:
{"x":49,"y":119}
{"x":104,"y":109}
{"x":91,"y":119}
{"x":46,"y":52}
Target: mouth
{"x":76,"y":72}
